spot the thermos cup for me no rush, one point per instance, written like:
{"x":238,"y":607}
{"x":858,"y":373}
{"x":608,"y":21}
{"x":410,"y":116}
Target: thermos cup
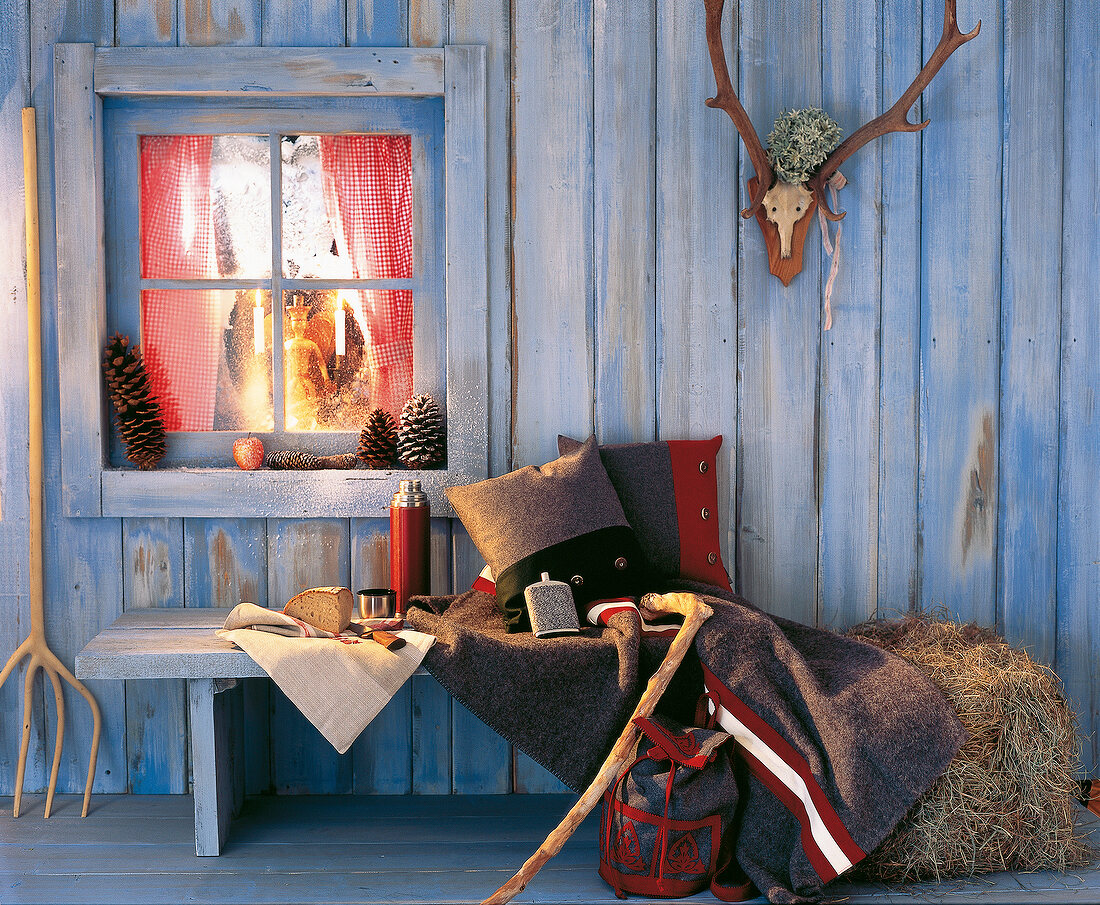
{"x":410,"y":543}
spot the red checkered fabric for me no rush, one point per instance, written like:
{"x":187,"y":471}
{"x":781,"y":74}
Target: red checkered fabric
{"x":368,"y":196}
{"x":180,"y":328}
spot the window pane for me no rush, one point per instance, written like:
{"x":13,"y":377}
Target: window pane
{"x":205,"y":206}
{"x":347,"y":206}
{"x":208,"y":354}
{"x":332,"y":378}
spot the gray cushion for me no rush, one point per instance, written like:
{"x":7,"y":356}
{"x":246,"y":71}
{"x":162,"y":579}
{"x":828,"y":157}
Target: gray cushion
{"x":564,"y":518}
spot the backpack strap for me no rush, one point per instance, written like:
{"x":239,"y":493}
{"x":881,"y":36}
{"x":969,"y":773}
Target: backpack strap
{"x":729,"y":883}
{"x":612,"y":798}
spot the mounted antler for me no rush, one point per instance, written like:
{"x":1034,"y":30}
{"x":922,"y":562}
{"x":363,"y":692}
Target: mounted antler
{"x":726,"y":99}
{"x":896,"y":119}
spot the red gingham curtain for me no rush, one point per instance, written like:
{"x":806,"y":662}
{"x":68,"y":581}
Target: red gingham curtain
{"x":368,"y":196}
{"x":180,"y":329}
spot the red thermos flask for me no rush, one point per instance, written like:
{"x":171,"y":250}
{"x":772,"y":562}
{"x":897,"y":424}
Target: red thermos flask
{"x":410,"y":543}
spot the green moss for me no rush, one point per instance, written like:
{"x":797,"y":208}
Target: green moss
{"x":800,"y":141}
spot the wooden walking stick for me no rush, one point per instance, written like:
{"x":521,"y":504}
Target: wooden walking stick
{"x":695,"y":612}
{"x":34,"y":646}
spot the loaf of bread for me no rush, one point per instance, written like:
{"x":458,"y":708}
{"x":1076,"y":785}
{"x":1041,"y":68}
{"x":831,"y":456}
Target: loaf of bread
{"x":328,"y":609}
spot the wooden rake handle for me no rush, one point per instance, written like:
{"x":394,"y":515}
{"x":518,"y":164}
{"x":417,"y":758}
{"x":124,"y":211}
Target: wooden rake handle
{"x":695,"y":612}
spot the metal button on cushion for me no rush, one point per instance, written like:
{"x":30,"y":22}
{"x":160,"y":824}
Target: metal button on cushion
{"x":620,"y":563}
{"x":712,"y":558}
{"x":705,"y":513}
{"x":703,"y":468}
{"x":578,"y":580}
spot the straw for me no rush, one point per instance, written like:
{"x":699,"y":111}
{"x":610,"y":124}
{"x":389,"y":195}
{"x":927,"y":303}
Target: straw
{"x":1006,"y":800}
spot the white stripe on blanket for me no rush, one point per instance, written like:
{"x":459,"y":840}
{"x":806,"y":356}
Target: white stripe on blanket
{"x":339,"y":682}
{"x":600,"y":611}
{"x":786,"y":775}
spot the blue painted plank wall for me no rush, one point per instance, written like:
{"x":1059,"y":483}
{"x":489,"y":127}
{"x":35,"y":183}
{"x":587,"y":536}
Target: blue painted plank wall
{"x":938,"y":447}
{"x":15,"y":86}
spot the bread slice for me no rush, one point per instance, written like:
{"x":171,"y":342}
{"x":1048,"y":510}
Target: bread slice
{"x":328,"y":609}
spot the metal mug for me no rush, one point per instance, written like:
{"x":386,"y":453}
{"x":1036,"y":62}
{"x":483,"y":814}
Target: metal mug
{"x":377,"y":603}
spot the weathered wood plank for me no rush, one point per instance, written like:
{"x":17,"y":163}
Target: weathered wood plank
{"x":145,"y":23}
{"x":960,"y":288}
{"x":245,"y":71}
{"x":229,"y":492}
{"x":210,"y":22}
{"x":383,"y":752}
{"x":1079,"y":419}
{"x":429,"y":22}
{"x":625,"y":212}
{"x":899,"y":336}
{"x":1027,"y":534}
{"x":210,"y":762}
{"x":552,"y":363}
{"x":81,"y":281}
{"x":14,"y":501}
{"x":488,"y":22}
{"x":848,"y":400}
{"x":463,"y":851}
{"x":532,"y":778}
{"x":431,"y":736}
{"x":225,"y":563}
{"x":778,"y":330}
{"x":153,"y":575}
{"x":82,"y":556}
{"x":431,"y":704}
{"x":467,"y":263}
{"x":164,"y":653}
{"x":304,"y":554}
{"x":377,"y":23}
{"x":481,"y":759}
{"x":319,"y":23}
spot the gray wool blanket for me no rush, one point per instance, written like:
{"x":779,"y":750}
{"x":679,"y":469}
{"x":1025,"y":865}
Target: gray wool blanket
{"x":836,"y":739}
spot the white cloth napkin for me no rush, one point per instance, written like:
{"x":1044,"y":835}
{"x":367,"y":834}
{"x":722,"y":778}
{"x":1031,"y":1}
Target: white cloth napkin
{"x":339,"y":682}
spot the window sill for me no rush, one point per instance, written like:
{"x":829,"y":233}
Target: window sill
{"x":264,"y":493}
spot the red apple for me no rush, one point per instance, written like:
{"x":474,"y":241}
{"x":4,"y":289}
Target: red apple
{"x":249,"y":452}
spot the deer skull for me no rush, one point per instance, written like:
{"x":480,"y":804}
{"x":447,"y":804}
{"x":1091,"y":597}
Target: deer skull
{"x":784,"y":205}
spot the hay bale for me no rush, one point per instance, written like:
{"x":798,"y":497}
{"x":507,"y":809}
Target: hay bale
{"x":1006,"y":801}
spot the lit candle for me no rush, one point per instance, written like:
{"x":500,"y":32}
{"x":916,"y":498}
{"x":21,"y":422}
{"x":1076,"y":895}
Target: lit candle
{"x":258,"y":325}
{"x":340,"y":324}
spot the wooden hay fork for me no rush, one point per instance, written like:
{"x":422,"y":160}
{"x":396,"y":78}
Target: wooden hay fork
{"x":695,"y":612}
{"x":35,"y":647}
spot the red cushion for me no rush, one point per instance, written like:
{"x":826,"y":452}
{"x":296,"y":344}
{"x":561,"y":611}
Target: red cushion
{"x":669,"y":492}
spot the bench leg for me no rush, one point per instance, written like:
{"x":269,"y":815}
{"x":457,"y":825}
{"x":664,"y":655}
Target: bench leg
{"x":210,"y":765}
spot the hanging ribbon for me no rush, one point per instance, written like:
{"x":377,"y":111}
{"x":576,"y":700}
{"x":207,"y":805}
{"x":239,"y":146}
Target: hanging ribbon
{"x":835,"y":184}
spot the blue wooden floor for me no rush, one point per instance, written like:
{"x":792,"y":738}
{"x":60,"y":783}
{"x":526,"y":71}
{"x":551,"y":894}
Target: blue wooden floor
{"x":411,"y":849}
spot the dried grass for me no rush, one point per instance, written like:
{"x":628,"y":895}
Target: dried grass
{"x":1006,"y":800}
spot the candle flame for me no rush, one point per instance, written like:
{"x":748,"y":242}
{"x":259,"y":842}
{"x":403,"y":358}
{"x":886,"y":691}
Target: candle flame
{"x":340,"y":323}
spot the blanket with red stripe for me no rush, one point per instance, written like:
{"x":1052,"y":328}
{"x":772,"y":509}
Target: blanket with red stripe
{"x":835,"y":739}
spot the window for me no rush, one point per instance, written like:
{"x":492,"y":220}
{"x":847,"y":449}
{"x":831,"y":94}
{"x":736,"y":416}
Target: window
{"x":289,"y":254}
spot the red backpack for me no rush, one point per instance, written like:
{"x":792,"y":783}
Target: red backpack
{"x":663,"y":819}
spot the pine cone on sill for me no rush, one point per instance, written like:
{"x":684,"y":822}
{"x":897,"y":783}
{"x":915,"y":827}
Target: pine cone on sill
{"x":340,"y":460}
{"x":378,"y":440}
{"x":423,"y":439}
{"x":293,"y":460}
{"x":137,"y":412}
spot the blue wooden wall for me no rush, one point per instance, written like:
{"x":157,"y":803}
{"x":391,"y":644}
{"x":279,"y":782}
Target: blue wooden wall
{"x":938,"y":448}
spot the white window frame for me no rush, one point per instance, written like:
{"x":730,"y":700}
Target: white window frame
{"x":83,"y":75}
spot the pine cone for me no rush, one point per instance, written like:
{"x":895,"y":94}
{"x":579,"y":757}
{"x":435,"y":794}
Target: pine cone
{"x":137,"y":412}
{"x":340,"y":460}
{"x":378,"y":440}
{"x":423,"y":440}
{"x":293,"y":460}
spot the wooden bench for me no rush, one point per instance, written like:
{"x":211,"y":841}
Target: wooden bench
{"x":181,"y":644}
